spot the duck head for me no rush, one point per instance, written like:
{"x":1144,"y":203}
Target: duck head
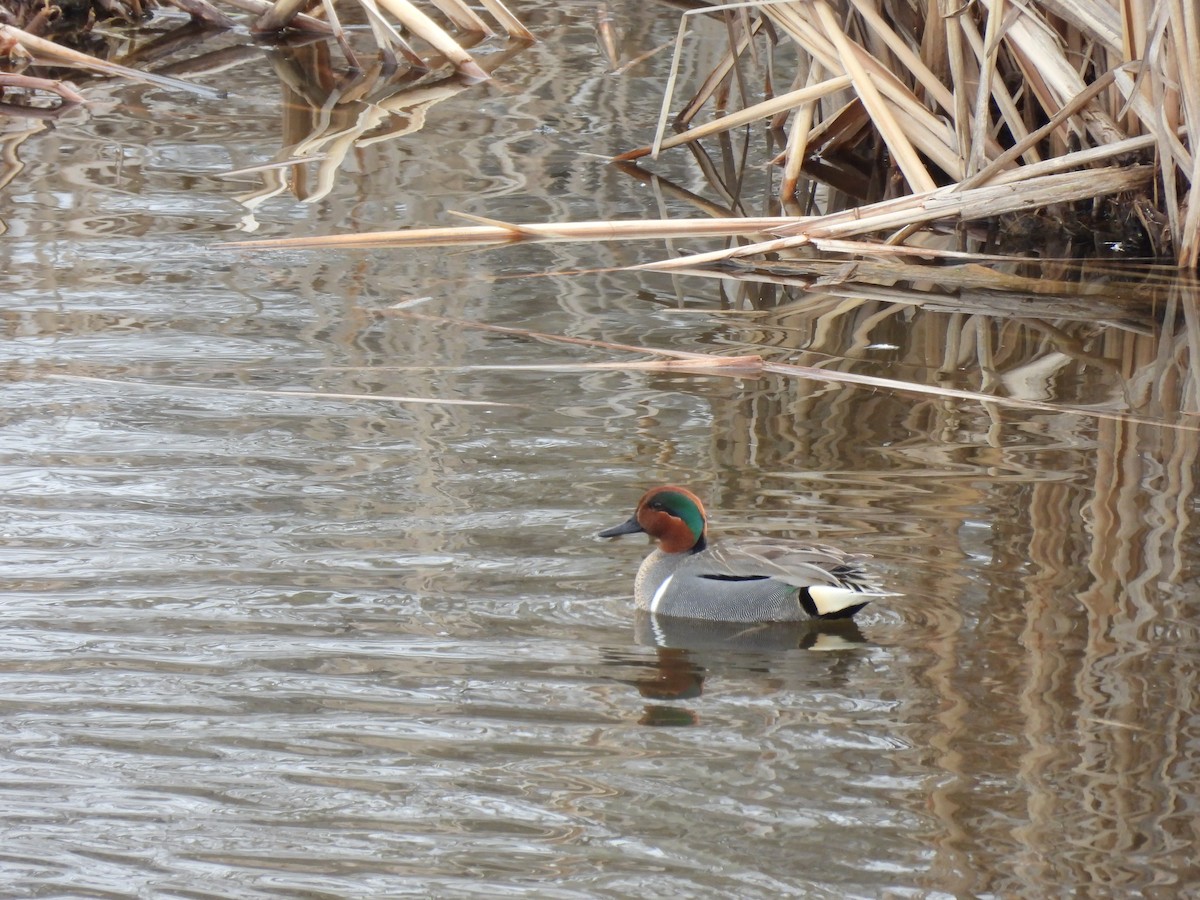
{"x":673,"y":516}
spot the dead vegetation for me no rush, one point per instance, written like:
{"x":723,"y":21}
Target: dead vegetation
{"x":1072,"y":115}
{"x":60,"y":35}
{"x":923,"y":114}
{"x":978,"y":108}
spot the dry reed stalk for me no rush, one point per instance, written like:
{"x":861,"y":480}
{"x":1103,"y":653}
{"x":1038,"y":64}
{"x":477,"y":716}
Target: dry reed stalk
{"x":912,"y":126}
{"x":504,"y":233}
{"x":1039,"y":53}
{"x":974,"y":143}
{"x":279,"y":16}
{"x":797,"y":144}
{"x":944,"y":203}
{"x":507,"y":20}
{"x":987,"y":173}
{"x":1100,"y":21}
{"x":987,"y":50}
{"x":300,"y":21}
{"x":904,"y":54}
{"x":388,"y":38}
{"x":283,"y":14}
{"x":763,"y":110}
{"x":429,"y":31}
{"x":906,"y":154}
{"x":962,"y":78}
{"x":66,"y":95}
{"x":843,"y":129}
{"x":49,"y":52}
{"x":1186,"y":44}
{"x":718,"y":75}
{"x":462,"y":16}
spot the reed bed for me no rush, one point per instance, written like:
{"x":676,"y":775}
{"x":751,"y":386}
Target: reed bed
{"x":945,"y":113}
{"x":1009,"y":105}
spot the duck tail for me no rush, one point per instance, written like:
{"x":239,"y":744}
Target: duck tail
{"x":823,"y":601}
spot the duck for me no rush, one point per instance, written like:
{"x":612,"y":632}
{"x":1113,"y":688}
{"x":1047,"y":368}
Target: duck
{"x":690,"y":575}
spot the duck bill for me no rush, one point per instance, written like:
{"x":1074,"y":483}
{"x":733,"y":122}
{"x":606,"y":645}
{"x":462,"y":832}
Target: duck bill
{"x":629,"y":527}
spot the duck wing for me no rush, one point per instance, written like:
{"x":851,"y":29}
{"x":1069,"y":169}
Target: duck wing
{"x":800,"y":565}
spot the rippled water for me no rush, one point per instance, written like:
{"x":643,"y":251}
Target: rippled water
{"x":258,"y":644}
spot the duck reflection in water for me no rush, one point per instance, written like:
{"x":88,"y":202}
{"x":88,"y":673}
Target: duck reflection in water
{"x":688,"y":651}
{"x":755,"y":637}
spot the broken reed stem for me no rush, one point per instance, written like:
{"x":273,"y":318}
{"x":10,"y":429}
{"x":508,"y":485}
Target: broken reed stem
{"x":64,"y":91}
{"x":49,"y":52}
{"x":758,"y":111}
{"x":507,"y":20}
{"x":944,"y":203}
{"x":1005,"y":195}
{"x":504,"y":233}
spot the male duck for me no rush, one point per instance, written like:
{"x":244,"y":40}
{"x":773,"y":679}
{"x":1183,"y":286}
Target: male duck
{"x":744,"y":580}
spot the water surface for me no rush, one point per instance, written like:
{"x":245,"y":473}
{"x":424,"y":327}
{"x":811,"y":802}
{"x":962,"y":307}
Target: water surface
{"x":261,"y":644}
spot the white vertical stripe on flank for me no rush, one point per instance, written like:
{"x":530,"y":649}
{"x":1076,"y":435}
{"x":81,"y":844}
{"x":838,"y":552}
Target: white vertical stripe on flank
{"x":660,"y":593}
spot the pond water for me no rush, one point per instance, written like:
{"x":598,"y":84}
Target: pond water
{"x":261,"y":644}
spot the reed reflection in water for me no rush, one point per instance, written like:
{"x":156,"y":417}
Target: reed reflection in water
{"x":1051,"y":555}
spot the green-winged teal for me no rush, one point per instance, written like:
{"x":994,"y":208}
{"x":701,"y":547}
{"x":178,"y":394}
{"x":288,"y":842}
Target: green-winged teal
{"x":742,"y":580}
